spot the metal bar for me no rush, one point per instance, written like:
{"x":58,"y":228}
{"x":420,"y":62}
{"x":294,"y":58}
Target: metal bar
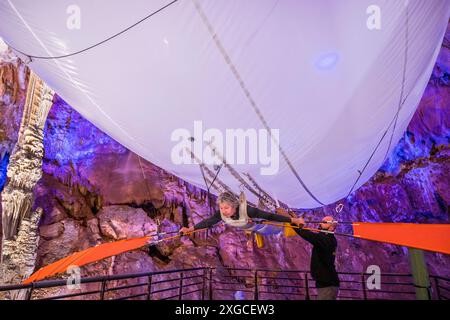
{"x":441,"y":287}
{"x":441,"y":278}
{"x":281,"y":286}
{"x":180,"y":293}
{"x":127,"y":287}
{"x":102,"y":291}
{"x":392,"y":274}
{"x":191,"y":284}
{"x":363,"y":283}
{"x":277,"y":278}
{"x":165,"y":281}
{"x":167,"y":289}
{"x":288,"y":293}
{"x":399,"y":283}
{"x":303,"y":271}
{"x":171,"y":297}
{"x":256,"y":285}
{"x":384,"y":291}
{"x":223,"y":289}
{"x":438,"y":291}
{"x":239,"y":277}
{"x":223,"y":282}
{"x":16,"y":287}
{"x":132,"y":296}
{"x":185,"y":293}
{"x":307,"y":297}
{"x":264,"y":270}
{"x":189,"y":292}
{"x":350,"y":281}
{"x":169,"y":280}
{"x":173,"y":288}
{"x":345,"y":297}
{"x":192,"y":277}
{"x":352,"y":289}
{"x":210,"y":284}
{"x":30,"y":292}
{"x":149,"y":288}
{"x":204,"y":284}
{"x":70,"y":295}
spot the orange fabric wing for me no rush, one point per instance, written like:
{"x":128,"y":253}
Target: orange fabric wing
{"x":431,"y":237}
{"x":87,"y":256}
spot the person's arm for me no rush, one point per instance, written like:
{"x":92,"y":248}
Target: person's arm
{"x":257,"y":213}
{"x":208,"y":222}
{"x":316,"y":239}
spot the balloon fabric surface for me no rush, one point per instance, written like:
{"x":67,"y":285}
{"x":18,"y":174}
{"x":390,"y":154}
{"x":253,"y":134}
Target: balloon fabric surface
{"x":321,"y":96}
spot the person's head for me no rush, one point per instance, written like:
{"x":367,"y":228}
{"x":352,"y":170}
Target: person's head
{"x":327,"y":225}
{"x":227,"y":204}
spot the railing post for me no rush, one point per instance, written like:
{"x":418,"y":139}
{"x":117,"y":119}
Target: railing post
{"x":438,"y":291}
{"x":30,"y":292}
{"x":180,"y":292}
{"x":307,"y":297}
{"x":210,"y":284}
{"x":420,"y":274}
{"x":255,"y":296}
{"x":149,"y":288}
{"x":102,"y":291}
{"x":204,"y":284}
{"x":363,"y":283}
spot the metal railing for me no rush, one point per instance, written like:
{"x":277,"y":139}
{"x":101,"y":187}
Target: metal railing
{"x":227,"y":283}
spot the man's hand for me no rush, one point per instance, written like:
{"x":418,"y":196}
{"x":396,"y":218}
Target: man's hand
{"x":185,"y":230}
{"x":298,"y":221}
{"x":282,"y":211}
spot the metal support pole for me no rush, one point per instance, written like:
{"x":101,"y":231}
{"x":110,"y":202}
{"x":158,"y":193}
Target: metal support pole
{"x":180,"y":292}
{"x":102,"y":291}
{"x":363,"y":283}
{"x":30,"y":292}
{"x":204,"y":284}
{"x":307,"y":297}
{"x":149,"y":288}
{"x":256,"y":285}
{"x":420,"y":274}
{"x":438,"y":291}
{"x":210,"y":285}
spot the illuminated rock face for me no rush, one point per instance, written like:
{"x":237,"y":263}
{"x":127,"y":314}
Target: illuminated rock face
{"x":13,"y":80}
{"x":94,"y":190}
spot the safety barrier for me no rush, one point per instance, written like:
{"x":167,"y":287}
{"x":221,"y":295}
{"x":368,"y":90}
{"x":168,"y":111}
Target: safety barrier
{"x":228,"y":283}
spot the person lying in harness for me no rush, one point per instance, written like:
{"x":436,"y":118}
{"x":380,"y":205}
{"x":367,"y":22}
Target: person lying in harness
{"x":239,"y":216}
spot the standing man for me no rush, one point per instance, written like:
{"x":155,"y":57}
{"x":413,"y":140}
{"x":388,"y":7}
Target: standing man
{"x":323,"y":257}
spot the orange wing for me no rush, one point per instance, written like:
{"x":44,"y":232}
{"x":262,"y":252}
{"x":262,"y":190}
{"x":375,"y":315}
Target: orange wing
{"x":431,"y":237}
{"x":87,"y":256}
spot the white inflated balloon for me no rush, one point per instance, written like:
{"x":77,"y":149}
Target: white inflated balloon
{"x":328,"y":75}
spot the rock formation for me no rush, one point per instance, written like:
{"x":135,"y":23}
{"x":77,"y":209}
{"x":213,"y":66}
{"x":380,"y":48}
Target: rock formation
{"x":19,"y":224}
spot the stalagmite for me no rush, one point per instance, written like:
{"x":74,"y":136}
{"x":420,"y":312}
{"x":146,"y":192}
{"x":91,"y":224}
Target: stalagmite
{"x":19,"y":223}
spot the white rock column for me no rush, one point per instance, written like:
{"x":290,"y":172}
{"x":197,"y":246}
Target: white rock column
{"x":20,"y":225}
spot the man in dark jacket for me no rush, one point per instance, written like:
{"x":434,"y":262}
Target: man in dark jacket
{"x":323,"y":256}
